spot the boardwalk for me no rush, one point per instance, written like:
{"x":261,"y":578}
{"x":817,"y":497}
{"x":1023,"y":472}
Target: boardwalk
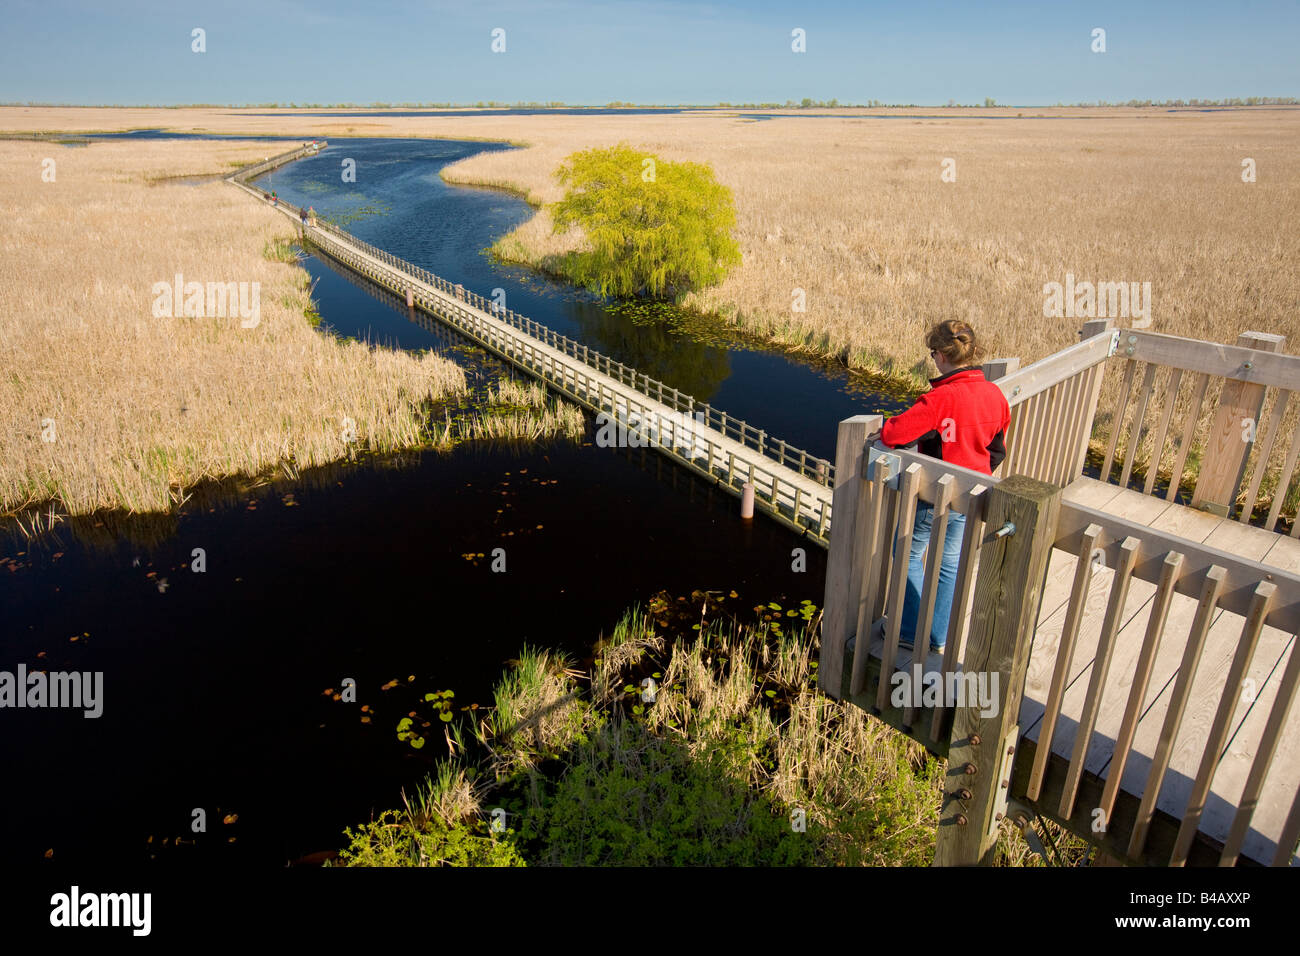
{"x":788,"y":483}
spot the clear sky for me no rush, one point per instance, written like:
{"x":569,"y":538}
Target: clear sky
{"x":644,"y":51}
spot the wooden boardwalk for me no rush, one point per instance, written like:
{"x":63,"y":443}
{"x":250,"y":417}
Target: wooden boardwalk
{"x":788,"y":484}
{"x":1247,"y":725}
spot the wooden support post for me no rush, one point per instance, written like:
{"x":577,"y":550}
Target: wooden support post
{"x":747,"y":500}
{"x":1008,"y":591}
{"x":843,"y":565}
{"x":995,"y":369}
{"x":1223,"y":462}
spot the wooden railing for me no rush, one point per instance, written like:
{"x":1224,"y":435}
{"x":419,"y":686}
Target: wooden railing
{"x":691,"y":438}
{"x":1053,"y":403}
{"x":1012,"y":526}
{"x":1248,"y":420}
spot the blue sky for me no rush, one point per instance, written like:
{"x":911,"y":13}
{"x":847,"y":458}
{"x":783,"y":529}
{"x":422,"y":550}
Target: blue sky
{"x":644,"y":51}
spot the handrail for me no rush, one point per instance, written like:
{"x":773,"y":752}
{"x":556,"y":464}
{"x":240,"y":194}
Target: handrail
{"x":789,"y":456}
{"x":788,"y":501}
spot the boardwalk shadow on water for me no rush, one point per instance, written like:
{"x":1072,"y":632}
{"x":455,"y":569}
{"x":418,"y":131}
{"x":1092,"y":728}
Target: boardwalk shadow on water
{"x":214,"y":683}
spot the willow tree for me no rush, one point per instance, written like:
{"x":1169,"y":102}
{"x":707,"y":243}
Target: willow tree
{"x":653,"y":227}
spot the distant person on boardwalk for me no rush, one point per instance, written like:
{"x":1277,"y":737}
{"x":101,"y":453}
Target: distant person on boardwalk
{"x":275,"y":200}
{"x":311,"y":215}
{"x":302,"y":214}
{"x":962,"y":420}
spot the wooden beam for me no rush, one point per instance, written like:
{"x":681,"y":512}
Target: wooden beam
{"x":1258,"y":365}
{"x":1008,"y":591}
{"x":1223,"y":462}
{"x":843,"y":574}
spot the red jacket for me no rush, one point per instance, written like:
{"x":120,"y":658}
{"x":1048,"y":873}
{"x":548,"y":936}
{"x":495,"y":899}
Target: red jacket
{"x":962,"y":419}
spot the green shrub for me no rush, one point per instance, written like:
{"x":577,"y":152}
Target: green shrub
{"x":654,"y":227}
{"x":629,"y":798}
{"x":391,"y":840}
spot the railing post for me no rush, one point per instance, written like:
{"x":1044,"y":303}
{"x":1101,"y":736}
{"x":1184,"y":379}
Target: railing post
{"x":1223,"y":461}
{"x":843,"y":564}
{"x":1094,"y":327}
{"x":1020,"y":527}
{"x":995,"y":369}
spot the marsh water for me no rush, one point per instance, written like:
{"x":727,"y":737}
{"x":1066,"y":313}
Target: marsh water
{"x":214,"y":693}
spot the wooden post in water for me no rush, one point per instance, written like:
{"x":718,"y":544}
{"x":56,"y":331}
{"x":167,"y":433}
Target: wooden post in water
{"x":747,"y":500}
{"x":1019,"y":530}
{"x":1223,"y":462}
{"x":843,"y":565}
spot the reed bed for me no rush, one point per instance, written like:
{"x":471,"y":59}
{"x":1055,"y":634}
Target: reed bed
{"x":522,"y":412}
{"x":853,"y":211}
{"x":103,"y":405}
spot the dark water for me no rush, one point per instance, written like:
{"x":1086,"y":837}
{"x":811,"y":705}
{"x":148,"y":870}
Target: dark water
{"x":214,"y":686}
{"x":400,"y":204}
{"x":214,"y":682}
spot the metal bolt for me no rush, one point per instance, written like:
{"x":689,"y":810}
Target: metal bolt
{"x":1010,"y":750}
{"x":961,"y":820}
{"x":973,"y":740}
{"x":963,"y":794}
{"x":1006,"y":529}
{"x":1132,"y":340}
{"x":1250,"y":365}
{"x":1006,"y":784}
{"x":1016,"y":390}
{"x":997,"y":816}
{"x":969,"y":769}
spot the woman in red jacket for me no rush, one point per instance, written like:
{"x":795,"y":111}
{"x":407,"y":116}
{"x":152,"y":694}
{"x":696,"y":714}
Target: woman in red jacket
{"x":962,"y":420}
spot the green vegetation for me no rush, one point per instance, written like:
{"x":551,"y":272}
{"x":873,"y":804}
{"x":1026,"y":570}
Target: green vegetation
{"x":735,"y":759}
{"x":653,"y":227}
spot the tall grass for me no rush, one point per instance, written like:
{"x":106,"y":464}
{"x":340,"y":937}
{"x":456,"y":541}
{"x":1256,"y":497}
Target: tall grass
{"x":143,"y":407}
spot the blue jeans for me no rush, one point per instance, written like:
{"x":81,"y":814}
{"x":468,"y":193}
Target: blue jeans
{"x":916,"y":575}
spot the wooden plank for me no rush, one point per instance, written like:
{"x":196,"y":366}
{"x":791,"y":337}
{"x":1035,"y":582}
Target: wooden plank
{"x":1065,"y":397}
{"x":961,"y":596}
{"x":1141,"y":678}
{"x":840,"y":604}
{"x":1139,"y":420}
{"x":1265,"y":748}
{"x":1007,"y":594}
{"x":1117,"y":422}
{"x":1257,"y":696}
{"x":874,"y":566}
{"x":1246,"y":541}
{"x":1126,"y":558}
{"x":898,"y":586}
{"x":1242,"y":573}
{"x":1264,"y":452}
{"x":1191,"y":660}
{"x":1158,"y":445}
{"x":1089,"y":417}
{"x":1064,"y":655}
{"x":1268,"y":366}
{"x":1090,"y":492}
{"x":1290,"y":834}
{"x":1283,"y":483}
{"x":930,"y":584}
{"x":1284,"y":554}
{"x":1223,"y":461}
{"x":1189,"y":435}
{"x":1218,"y":736}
